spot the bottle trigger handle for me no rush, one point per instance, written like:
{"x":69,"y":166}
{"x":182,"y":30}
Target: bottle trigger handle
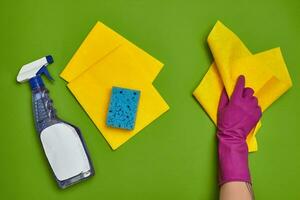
{"x":45,"y":71}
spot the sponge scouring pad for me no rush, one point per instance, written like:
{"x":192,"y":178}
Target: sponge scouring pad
{"x":122,"y":108}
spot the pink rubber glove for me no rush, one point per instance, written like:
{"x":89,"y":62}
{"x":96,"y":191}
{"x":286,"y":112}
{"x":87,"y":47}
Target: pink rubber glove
{"x":236,"y":118}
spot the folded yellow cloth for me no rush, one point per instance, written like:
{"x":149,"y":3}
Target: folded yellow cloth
{"x":106,"y":59}
{"x":265,"y":72}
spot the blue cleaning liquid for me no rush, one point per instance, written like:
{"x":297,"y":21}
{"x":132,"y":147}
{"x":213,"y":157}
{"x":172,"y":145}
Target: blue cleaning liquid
{"x":44,"y":113}
{"x":62,"y":142}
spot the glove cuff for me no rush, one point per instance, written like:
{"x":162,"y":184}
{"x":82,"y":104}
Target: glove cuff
{"x":233,"y":160}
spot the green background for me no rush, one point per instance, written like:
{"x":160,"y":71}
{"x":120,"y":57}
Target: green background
{"x":174,"y":157}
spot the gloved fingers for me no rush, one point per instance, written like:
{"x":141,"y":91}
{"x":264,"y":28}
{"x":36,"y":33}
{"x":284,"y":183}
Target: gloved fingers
{"x":251,"y":102}
{"x":258,"y":113}
{"x":248,"y":92}
{"x":239,"y":88}
{"x":254,"y":108}
{"x":258,"y":108}
{"x":223,"y":100}
{"x":254,"y":100}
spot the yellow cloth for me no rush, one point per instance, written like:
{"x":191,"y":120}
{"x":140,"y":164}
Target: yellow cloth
{"x":265,"y":72}
{"x":106,"y":59}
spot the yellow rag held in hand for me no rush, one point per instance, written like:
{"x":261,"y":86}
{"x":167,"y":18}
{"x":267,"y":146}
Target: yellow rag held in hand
{"x":106,"y":59}
{"x":265,"y":72}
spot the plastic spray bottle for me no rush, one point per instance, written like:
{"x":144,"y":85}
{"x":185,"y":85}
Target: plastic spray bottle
{"x":62,"y":142}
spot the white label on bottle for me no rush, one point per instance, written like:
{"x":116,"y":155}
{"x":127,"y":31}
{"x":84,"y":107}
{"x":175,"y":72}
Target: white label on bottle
{"x":64,"y":151}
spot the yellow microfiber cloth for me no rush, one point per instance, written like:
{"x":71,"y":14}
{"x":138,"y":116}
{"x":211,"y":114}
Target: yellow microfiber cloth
{"x":106,"y":59}
{"x":265,"y":72}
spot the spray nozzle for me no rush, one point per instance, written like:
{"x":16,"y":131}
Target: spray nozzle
{"x":35,"y":68}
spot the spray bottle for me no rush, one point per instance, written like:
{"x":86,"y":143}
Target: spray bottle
{"x":62,"y":142}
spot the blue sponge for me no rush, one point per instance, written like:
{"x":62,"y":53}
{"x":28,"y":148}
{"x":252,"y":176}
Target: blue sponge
{"x":122,"y":108}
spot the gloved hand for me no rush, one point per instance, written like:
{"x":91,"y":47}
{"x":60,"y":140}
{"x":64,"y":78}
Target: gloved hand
{"x":236,"y":118}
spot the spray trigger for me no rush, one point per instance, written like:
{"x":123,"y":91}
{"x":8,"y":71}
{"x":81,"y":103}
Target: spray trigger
{"x":45,"y":71}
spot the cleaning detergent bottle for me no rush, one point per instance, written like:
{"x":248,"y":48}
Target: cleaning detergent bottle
{"x":62,"y":142}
